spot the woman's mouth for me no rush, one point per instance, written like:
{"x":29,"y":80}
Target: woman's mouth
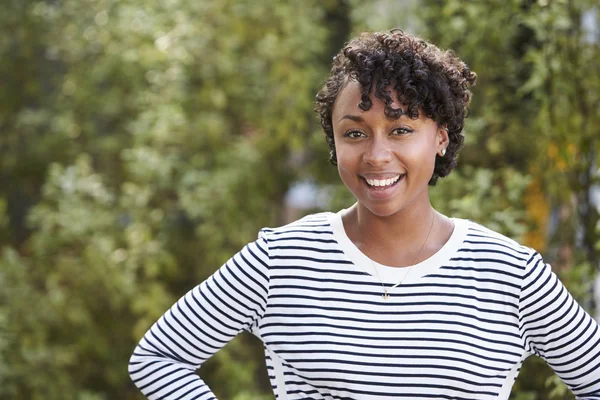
{"x":382,"y":184}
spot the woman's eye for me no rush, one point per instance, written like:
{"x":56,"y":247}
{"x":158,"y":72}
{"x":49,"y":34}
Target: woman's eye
{"x":354,"y":134}
{"x":401,"y":131}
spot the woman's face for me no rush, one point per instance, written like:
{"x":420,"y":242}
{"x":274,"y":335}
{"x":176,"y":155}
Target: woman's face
{"x":386,"y":163}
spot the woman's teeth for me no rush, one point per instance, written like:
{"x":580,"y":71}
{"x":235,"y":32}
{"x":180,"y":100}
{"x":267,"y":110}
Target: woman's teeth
{"x":382,"y":182}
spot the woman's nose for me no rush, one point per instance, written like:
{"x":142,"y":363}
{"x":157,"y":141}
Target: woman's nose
{"x":378,"y":152}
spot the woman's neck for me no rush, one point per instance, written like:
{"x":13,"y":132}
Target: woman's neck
{"x":400,"y":239}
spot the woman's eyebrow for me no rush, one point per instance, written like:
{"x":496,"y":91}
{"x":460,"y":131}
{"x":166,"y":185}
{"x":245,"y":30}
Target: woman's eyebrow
{"x":355,"y":118}
{"x":358,"y":118}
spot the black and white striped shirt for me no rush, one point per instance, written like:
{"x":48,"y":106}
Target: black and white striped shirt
{"x":458,"y":327}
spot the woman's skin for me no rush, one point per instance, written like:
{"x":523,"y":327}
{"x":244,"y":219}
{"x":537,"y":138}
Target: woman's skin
{"x":394,"y":219}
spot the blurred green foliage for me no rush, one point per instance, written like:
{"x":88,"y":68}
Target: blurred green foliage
{"x":143,"y":143}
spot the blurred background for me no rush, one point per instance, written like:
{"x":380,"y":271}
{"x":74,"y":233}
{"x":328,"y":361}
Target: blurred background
{"x":142,"y":143}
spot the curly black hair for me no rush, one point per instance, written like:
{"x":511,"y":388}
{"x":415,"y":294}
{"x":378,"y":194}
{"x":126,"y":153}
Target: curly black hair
{"x":425,"y":77}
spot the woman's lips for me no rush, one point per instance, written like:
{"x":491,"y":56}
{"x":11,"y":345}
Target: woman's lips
{"x":382,"y":182}
{"x":385,"y":190}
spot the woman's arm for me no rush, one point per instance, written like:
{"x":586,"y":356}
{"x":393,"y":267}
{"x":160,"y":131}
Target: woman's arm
{"x":233,"y":299}
{"x":556,"y":328}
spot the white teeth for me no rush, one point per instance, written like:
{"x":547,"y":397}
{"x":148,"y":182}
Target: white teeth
{"x":382,"y":182}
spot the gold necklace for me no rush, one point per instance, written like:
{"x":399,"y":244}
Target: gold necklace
{"x":386,"y":294}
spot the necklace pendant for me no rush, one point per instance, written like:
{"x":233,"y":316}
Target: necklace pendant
{"x":386,"y":296}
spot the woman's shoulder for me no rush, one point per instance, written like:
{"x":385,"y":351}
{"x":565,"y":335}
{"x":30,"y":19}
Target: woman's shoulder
{"x":484,"y":238}
{"x":308,"y":225}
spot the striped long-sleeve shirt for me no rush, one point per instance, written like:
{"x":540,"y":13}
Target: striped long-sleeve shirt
{"x":459,"y":326}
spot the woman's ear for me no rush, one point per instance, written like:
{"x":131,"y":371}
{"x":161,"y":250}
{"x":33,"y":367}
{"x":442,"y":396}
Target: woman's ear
{"x":443,"y":140}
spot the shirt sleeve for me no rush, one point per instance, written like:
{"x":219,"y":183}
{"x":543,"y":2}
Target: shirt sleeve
{"x":204,"y":320}
{"x":554,"y":327}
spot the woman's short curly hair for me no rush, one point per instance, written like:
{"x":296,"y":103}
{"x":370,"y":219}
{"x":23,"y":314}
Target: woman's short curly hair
{"x":425,"y":77}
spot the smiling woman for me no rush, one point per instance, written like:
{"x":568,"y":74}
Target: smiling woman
{"x":386,"y":162}
{"x":388,"y":298}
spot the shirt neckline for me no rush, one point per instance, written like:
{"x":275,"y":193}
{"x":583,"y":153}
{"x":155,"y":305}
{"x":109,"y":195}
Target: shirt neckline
{"x":393,"y":275}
